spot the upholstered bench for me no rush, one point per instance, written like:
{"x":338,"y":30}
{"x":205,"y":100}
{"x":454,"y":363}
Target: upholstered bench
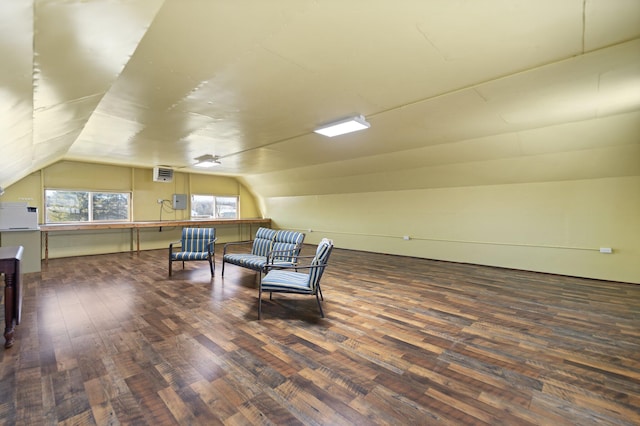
{"x":268,"y":247}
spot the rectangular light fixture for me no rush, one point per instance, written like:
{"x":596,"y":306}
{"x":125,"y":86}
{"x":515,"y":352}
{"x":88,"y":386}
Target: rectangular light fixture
{"x":341,"y":127}
{"x":205,"y":164}
{"x":208,"y":160}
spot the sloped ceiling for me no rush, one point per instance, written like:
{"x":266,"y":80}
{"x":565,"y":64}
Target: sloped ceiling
{"x":446,"y":83}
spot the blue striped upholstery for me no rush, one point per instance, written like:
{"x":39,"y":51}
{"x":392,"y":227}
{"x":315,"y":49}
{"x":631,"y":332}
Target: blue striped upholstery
{"x":190,"y":255}
{"x":248,"y":260}
{"x":290,"y":281}
{"x":321,"y":258}
{"x":195,"y":244}
{"x":278,"y":280}
{"x":263,"y":241}
{"x":287,"y":241}
{"x":267,"y":240}
{"x":290,"y":237}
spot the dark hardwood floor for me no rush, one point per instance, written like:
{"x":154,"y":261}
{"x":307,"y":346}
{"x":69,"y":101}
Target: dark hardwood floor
{"x":110,"y":340}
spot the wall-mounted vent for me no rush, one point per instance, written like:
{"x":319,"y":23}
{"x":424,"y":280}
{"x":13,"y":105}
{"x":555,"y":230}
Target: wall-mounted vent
{"x":162,"y":174}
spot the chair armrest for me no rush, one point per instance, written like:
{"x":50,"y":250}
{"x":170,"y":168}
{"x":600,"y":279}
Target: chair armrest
{"x":172,"y":244}
{"x":294,"y":264}
{"x":285,"y":253}
{"x":211,"y":245}
{"x":235,"y":243}
{"x":295,"y":267}
{"x":272,"y":253}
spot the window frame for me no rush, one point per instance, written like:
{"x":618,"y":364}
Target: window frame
{"x":90,"y":205}
{"x":215,"y":211}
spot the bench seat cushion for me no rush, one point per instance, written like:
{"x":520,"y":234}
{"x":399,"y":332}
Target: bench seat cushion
{"x":189,"y":255}
{"x":286,"y":281}
{"x":246,"y":260}
{"x":251,"y":261}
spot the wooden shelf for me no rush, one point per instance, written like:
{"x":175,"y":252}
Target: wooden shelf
{"x":150,"y":224}
{"x":138,"y":225}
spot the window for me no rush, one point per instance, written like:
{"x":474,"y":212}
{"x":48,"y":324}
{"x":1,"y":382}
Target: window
{"x":86,"y":206}
{"x":212,"y":207}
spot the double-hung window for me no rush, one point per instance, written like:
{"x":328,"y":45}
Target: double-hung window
{"x":213,"y":207}
{"x":86,"y":206}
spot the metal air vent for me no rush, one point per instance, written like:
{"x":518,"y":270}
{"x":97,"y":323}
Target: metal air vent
{"x":162,"y":174}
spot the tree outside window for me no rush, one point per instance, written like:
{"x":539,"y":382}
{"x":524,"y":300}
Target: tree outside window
{"x":226,"y":207}
{"x":213,"y":207}
{"x":86,"y":206}
{"x":110,"y":206}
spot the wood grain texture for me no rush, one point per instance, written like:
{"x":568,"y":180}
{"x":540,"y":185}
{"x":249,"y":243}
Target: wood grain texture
{"x":110,"y":340}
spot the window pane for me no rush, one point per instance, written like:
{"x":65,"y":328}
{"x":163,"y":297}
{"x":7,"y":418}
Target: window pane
{"x":110,"y":206}
{"x":66,"y":206}
{"x":202,"y":206}
{"x":86,"y":206}
{"x":227,"y":207}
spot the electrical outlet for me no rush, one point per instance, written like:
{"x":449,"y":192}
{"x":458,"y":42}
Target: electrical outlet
{"x":607,"y":250}
{"x":309,"y":230}
{"x":159,"y":200}
{"x":406,"y":238}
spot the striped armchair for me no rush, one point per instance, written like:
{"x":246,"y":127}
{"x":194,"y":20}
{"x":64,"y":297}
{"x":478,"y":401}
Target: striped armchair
{"x":268,"y":247}
{"x":298,"y":279}
{"x":195,"y":244}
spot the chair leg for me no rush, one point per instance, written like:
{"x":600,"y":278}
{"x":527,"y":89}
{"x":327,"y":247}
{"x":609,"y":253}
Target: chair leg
{"x":212,"y":265}
{"x":319,"y":305}
{"x":223,"y":266}
{"x":320,"y":291}
{"x":260,"y":304}
{"x":170,"y":265}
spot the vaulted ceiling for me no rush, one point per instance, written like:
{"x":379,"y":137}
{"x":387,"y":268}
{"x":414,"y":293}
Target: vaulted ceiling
{"x":161,"y":82}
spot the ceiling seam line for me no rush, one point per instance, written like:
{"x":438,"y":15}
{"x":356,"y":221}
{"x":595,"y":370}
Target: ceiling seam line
{"x":434,"y":97}
{"x":584,"y":23}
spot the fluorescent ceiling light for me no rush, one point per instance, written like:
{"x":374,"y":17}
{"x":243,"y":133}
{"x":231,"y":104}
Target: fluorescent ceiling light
{"x":205,"y":164}
{"x":341,"y":127}
{"x":208,"y":160}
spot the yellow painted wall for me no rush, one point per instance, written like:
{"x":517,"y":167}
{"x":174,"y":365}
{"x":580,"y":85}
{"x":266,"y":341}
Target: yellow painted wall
{"x":27,"y":190}
{"x":555,"y":227}
{"x":72,"y":175}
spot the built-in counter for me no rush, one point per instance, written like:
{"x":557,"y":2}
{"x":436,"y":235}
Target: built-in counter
{"x":136,"y":226}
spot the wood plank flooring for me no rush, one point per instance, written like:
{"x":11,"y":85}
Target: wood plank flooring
{"x":110,"y":340}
